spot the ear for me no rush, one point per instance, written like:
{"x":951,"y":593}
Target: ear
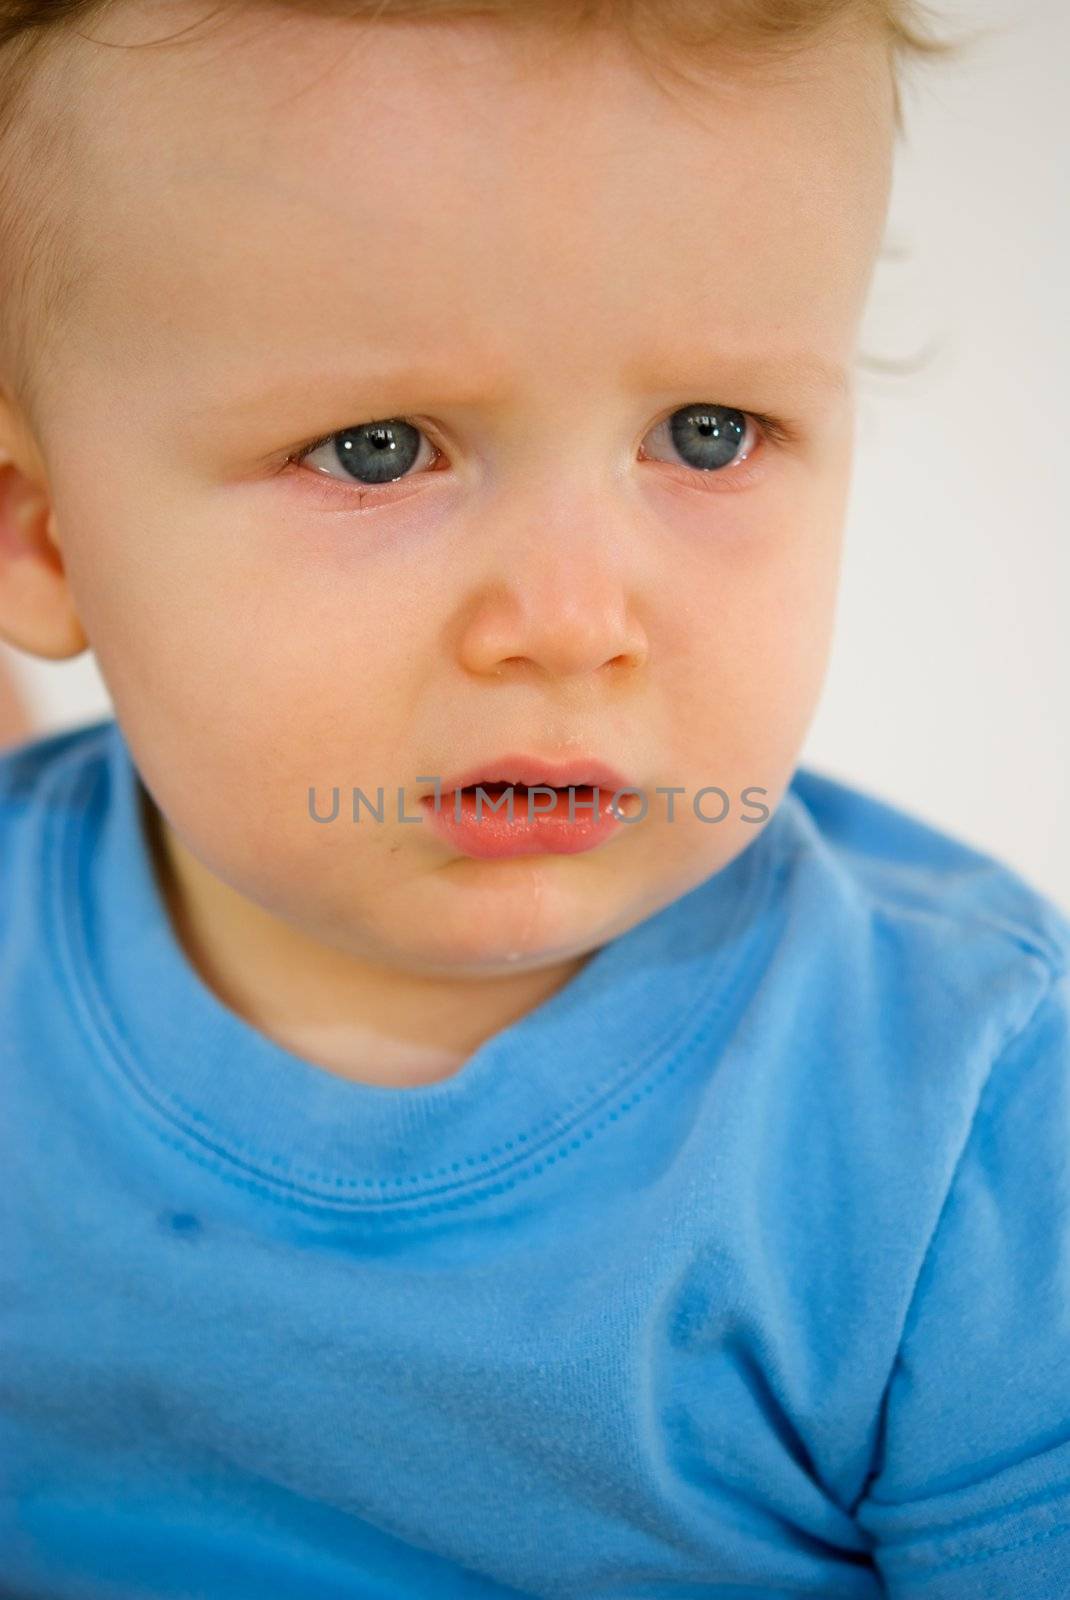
{"x":37,"y":612}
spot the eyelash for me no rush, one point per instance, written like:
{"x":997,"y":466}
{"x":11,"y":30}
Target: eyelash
{"x":771,"y":428}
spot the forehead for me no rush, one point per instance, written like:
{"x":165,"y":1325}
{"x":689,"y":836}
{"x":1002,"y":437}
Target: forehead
{"x":265,"y":199}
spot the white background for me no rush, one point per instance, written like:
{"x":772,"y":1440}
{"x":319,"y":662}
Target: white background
{"x":949,"y":684}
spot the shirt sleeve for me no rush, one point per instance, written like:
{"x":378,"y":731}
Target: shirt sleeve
{"x":970,"y":1497}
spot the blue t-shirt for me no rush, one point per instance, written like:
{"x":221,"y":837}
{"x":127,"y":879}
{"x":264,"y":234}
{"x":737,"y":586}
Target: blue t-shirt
{"x":739,"y":1267}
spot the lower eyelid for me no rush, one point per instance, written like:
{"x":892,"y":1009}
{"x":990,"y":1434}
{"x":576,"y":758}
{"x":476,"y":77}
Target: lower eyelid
{"x":740,"y":472}
{"x":726,"y":480}
{"x":334,"y":494}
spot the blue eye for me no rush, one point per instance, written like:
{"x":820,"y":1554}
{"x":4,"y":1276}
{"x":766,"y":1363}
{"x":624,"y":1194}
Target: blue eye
{"x":710,"y":438}
{"x":372,"y":452}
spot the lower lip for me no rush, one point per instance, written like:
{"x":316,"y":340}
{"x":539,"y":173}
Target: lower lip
{"x":491,"y":835}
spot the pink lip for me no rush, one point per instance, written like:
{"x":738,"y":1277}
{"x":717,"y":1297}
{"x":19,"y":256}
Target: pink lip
{"x":530,"y":770}
{"x":496,"y":835}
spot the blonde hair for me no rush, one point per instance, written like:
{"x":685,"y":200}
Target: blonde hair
{"x":36,"y":272}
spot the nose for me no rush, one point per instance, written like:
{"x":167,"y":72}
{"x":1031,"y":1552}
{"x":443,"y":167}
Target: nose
{"x":563,"y":607}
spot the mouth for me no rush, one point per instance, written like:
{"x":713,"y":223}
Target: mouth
{"x":522,"y":772}
{"x":576,"y":812}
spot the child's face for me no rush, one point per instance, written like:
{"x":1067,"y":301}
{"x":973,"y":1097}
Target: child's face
{"x":295,"y":227}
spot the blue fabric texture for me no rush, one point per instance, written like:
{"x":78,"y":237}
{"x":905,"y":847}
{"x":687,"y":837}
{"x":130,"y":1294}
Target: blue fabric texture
{"x":740,"y":1267}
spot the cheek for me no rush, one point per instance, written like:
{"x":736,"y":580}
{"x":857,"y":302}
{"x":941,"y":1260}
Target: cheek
{"x":244,"y":670}
{"x":758,"y":612}
{"x":219,"y":619}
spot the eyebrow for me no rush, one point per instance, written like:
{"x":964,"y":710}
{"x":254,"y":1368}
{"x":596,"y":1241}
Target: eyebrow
{"x":810,"y":371}
{"x":358,"y":379}
{"x":803,"y":369}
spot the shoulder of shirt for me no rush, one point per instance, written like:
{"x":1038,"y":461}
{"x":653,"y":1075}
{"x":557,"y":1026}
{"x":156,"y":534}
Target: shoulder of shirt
{"x":41,"y":787}
{"x":26,"y":769}
{"x":904,"y":867}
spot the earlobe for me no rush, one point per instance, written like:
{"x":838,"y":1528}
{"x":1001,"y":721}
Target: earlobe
{"x":37,"y":611}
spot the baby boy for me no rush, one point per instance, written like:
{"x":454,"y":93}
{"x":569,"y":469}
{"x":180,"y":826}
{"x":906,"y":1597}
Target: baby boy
{"x":478,"y":1118}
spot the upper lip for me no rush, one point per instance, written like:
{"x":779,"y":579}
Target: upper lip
{"x":575,"y":771}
